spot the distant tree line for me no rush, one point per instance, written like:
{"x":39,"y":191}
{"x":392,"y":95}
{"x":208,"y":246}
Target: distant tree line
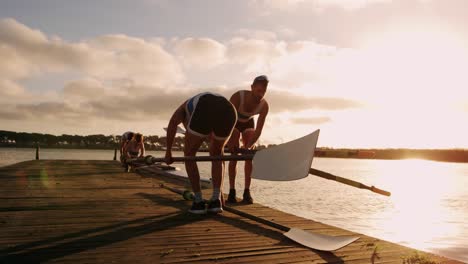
{"x":99,"y":141}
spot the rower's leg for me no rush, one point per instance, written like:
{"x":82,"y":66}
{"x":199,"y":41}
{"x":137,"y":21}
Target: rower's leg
{"x":233,"y":164}
{"x":192,"y":144}
{"x":247,"y":135}
{"x":217,"y":167}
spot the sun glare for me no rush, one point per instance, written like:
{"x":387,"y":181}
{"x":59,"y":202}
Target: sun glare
{"x":418,"y":193}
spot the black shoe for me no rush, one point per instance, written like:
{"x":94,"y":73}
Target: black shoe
{"x":232,"y":196}
{"x":198,"y":208}
{"x":214,"y":206}
{"x":247,"y":199}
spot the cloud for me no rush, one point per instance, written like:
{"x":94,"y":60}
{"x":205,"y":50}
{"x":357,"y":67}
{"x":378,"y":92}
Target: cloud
{"x":127,"y":80}
{"x":84,"y":89}
{"x":106,"y":57}
{"x":318,"y":5}
{"x":257,"y":34}
{"x":281,"y":101}
{"x":347,"y":4}
{"x":255,"y":54}
{"x":310,"y":120}
{"x":201,"y":53}
{"x":9,"y":89}
{"x":89,"y":99}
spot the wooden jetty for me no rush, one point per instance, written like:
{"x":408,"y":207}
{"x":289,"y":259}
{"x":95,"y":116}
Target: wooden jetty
{"x":76,"y":211}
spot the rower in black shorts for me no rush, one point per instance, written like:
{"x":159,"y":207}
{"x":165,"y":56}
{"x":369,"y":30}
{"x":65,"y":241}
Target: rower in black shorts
{"x":204,"y":115}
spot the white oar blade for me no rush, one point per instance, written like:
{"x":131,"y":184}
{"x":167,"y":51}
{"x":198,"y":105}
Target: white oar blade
{"x":286,"y":162}
{"x":179,"y":130}
{"x":319,"y":241}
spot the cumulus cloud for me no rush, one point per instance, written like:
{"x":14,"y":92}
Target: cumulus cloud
{"x":255,"y":54}
{"x":129,"y":79}
{"x":201,"y":53}
{"x":107,"y":57}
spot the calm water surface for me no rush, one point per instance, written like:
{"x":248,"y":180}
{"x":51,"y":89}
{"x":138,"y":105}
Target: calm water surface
{"x":428,"y":209}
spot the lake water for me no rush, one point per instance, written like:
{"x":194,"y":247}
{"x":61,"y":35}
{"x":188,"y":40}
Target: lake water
{"x":428,"y":209}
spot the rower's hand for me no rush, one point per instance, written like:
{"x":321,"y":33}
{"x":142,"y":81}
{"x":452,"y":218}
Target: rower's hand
{"x":168,"y":159}
{"x":232,"y":147}
{"x":249,"y":146}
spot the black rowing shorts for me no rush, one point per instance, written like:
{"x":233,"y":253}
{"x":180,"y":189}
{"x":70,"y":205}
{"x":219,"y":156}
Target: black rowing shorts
{"x":243,"y":126}
{"x":212,"y":113}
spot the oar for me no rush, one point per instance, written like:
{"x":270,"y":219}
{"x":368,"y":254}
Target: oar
{"x":284,"y":162}
{"x":179,"y":130}
{"x":315,"y":172}
{"x":306,"y":238}
{"x":349,"y":182}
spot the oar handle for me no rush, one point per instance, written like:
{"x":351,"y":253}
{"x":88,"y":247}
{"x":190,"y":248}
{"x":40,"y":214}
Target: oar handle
{"x":379,"y":191}
{"x":356,"y":184}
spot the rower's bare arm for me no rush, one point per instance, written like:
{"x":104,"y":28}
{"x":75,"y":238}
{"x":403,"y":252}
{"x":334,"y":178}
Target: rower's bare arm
{"x":235,"y":100}
{"x":142,"y":149}
{"x":176,"y":119}
{"x":260,"y":122}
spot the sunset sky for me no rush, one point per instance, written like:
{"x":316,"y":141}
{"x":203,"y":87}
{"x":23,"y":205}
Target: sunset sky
{"x":368,"y":73}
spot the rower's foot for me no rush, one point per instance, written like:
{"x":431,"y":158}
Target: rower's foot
{"x":198,"y":208}
{"x":232,"y":196}
{"x":247,"y":198}
{"x":214,"y":206}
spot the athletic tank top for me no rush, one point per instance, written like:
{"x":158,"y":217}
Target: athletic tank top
{"x":243,"y":116}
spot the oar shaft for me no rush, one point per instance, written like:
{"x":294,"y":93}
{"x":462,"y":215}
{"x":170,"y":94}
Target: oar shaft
{"x":235,"y":211}
{"x":356,"y":184}
{"x":195,"y":158}
{"x":208,"y":158}
{"x":257,"y":219}
{"x":319,"y":173}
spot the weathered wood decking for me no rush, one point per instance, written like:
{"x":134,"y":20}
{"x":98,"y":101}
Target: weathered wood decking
{"x":93,"y":212}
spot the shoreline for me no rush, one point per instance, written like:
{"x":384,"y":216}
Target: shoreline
{"x":441,"y":155}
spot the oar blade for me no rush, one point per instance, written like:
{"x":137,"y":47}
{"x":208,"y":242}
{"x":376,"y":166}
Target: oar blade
{"x":179,"y":130}
{"x":286,"y":162}
{"x":319,"y":241}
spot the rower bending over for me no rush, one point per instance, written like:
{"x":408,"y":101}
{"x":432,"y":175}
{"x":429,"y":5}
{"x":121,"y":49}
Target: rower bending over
{"x":126,"y":137}
{"x":204,"y":115}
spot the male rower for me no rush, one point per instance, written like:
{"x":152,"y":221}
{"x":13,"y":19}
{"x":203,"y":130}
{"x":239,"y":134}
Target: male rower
{"x":135,"y":148}
{"x":248,"y":104}
{"x":204,"y":115}
{"x":126,"y":137}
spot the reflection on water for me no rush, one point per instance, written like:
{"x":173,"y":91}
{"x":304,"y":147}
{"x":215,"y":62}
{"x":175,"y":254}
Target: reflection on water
{"x":418,"y":211}
{"x":428,"y":208}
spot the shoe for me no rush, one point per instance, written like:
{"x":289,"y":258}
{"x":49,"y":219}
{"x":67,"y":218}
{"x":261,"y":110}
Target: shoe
{"x":232,"y":196}
{"x":198,"y":208}
{"x":247,"y":199}
{"x":214,"y":206}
